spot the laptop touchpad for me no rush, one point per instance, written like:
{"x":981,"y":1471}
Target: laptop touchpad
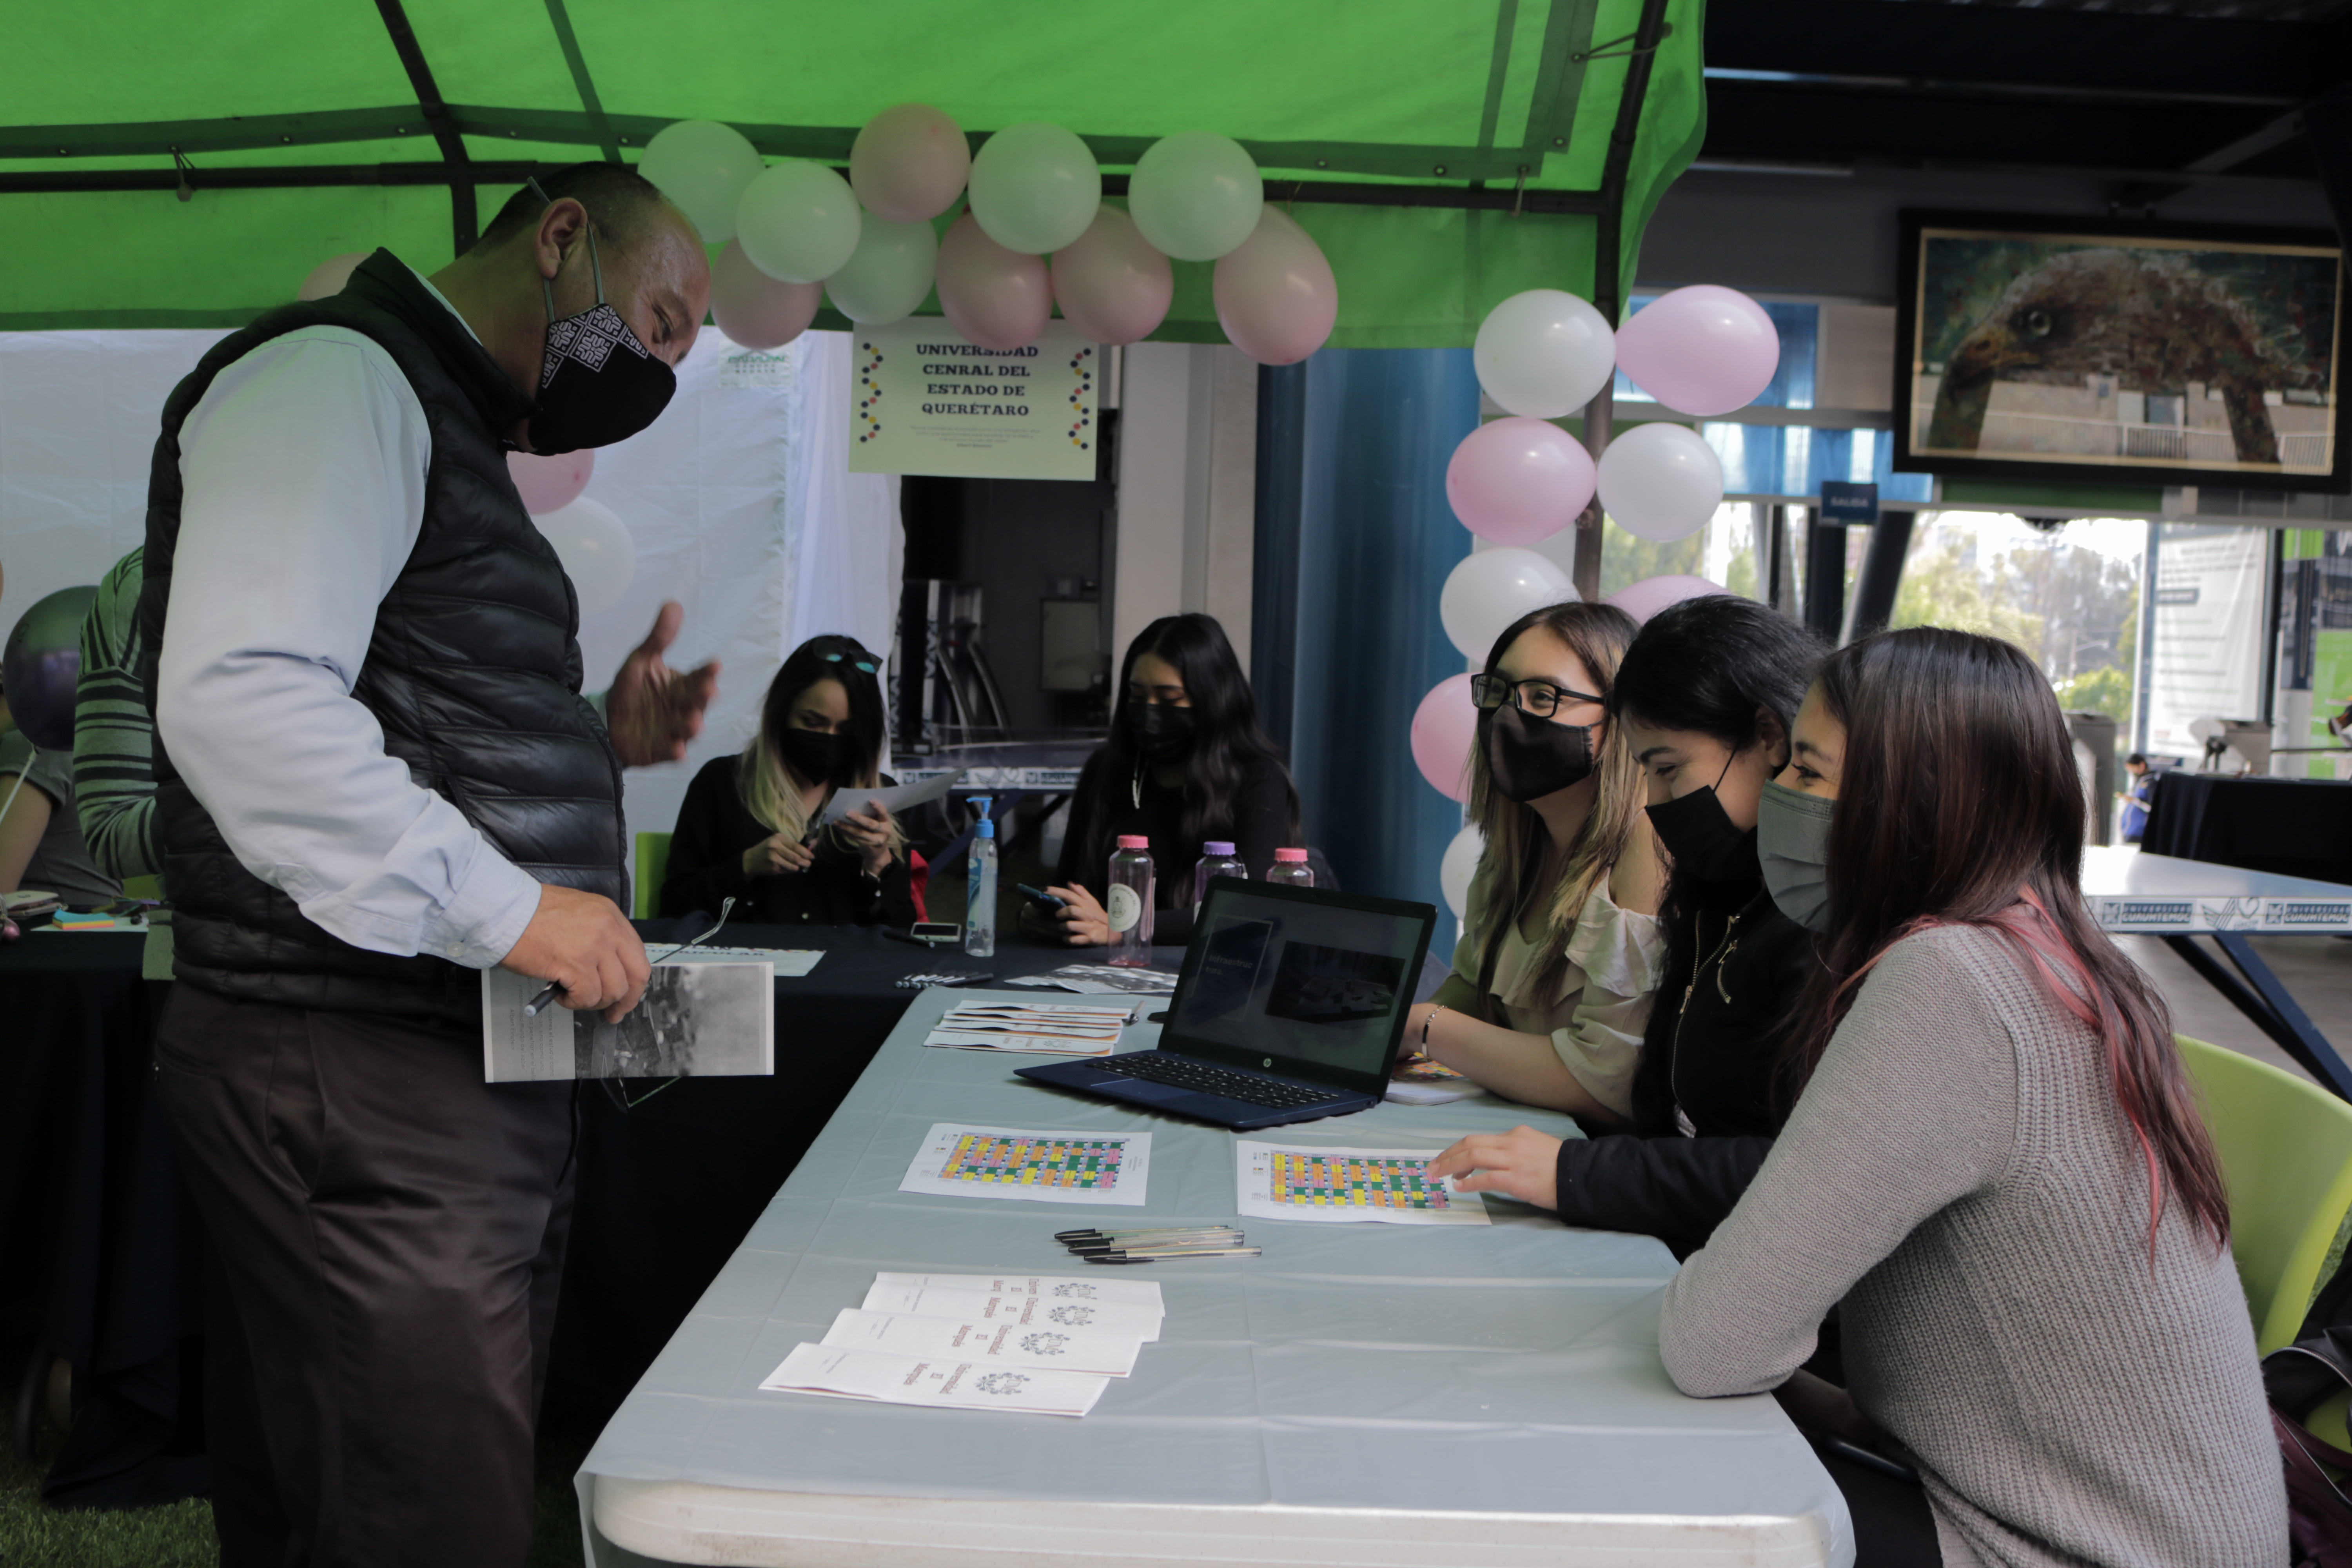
{"x":1144,"y":1088}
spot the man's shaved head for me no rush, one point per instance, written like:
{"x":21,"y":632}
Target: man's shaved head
{"x":622,"y":203}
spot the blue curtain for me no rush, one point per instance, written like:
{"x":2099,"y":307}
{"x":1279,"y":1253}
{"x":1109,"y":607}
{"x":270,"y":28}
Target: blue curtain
{"x":1354,"y":540}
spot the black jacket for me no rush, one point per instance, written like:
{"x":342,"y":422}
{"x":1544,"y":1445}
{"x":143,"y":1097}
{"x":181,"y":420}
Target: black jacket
{"x":706,"y":867}
{"x":473,"y":672}
{"x":1736,"y":967}
{"x":1258,"y":824}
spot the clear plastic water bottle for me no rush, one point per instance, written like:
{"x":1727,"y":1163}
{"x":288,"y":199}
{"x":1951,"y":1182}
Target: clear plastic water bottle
{"x":1290,"y":868}
{"x":980,"y":886}
{"x":1217,"y":859}
{"x":1129,"y":903}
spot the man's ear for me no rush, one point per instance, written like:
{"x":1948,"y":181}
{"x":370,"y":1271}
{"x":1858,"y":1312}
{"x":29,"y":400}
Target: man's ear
{"x":559,"y":230}
{"x":1773,"y":736}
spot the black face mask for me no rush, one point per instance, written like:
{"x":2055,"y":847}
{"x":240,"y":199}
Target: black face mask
{"x":1161,"y":732}
{"x":598,"y":384}
{"x":814,"y":754}
{"x":1529,"y":758}
{"x":1703,"y":840}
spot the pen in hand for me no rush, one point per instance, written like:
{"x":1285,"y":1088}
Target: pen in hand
{"x":532,"y":1008}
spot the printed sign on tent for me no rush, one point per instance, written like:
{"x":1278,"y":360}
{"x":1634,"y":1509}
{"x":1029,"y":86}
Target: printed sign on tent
{"x":925,"y":400}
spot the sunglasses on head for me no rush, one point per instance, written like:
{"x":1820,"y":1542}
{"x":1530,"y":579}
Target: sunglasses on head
{"x":867,"y":665}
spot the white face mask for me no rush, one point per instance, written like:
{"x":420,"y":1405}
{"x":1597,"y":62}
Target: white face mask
{"x":1792,"y":837}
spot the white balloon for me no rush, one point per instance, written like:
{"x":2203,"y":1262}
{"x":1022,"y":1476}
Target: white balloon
{"x":889,"y":273}
{"x":1460,"y":864}
{"x":1491,"y":589}
{"x":597,"y":551}
{"x":1034,"y":187}
{"x":703,"y":167}
{"x":1544,"y":353}
{"x":798,"y":223}
{"x":1661,"y":481}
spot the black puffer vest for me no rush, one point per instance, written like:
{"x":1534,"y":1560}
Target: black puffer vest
{"x":473,"y":672}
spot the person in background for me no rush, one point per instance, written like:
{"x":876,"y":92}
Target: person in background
{"x":1996,"y":1171}
{"x":2136,"y":796}
{"x":114,"y":741}
{"x":1186,"y":763}
{"x":41,"y":845}
{"x":1561,"y":950}
{"x":744,"y":828}
{"x":1705,"y":699}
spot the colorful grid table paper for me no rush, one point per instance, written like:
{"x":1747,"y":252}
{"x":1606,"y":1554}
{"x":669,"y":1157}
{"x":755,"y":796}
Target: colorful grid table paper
{"x":1049,"y":1167}
{"x":1391,"y":1186}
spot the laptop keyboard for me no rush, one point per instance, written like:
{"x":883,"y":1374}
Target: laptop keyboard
{"x":1162,"y":1067}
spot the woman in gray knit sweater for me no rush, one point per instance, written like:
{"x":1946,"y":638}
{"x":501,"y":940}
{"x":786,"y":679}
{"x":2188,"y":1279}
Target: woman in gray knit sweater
{"x":1996,"y":1166}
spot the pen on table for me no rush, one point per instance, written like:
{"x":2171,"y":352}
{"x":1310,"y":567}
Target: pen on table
{"x":532,"y":1008}
{"x":1163,"y":1238}
{"x":1169,"y":1257}
{"x":1068,"y":1236}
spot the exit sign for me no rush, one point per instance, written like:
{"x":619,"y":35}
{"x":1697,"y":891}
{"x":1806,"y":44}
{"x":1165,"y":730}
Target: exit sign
{"x":1843,"y":503}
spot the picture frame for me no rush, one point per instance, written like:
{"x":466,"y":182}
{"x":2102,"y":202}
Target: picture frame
{"x":2115,"y":350}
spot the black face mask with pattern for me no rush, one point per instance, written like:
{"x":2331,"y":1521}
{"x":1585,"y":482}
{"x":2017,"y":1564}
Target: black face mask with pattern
{"x":598,"y":383}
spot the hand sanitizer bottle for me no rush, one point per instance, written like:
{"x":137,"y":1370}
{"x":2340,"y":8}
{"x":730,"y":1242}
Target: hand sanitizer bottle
{"x":980,"y":886}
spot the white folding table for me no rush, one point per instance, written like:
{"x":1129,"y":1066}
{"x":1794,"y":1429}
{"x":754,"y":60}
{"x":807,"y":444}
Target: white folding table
{"x":1363,"y":1394}
{"x":2131,"y":890}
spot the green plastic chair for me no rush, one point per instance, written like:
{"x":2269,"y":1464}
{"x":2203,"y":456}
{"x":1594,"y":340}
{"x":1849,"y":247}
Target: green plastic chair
{"x":652,"y":866}
{"x":2287,"y":1154}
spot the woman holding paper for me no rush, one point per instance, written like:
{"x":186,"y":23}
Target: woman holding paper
{"x":747,"y":829}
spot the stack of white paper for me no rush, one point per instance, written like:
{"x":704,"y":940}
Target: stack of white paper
{"x":845,"y":1374}
{"x":1044,"y":1028}
{"x":1042,"y":1344}
{"x":1102,"y":980}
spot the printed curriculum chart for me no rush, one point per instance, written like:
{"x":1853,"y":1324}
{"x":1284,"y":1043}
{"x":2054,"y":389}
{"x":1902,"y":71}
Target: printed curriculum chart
{"x":1386,"y":1187}
{"x":1046,"y":1167}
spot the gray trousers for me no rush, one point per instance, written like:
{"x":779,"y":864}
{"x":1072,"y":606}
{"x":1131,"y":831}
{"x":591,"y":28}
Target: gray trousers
{"x":391,"y":1231}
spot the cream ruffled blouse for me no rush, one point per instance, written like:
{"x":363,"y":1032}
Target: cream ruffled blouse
{"x":1595,"y":1018}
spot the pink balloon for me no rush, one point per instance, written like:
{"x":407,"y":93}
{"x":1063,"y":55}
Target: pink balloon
{"x":1275,"y":296}
{"x":754,"y":310}
{"x":1445,"y":727}
{"x":328,"y":276}
{"x":1517,"y":480}
{"x":1110,"y":283}
{"x":1703,"y":350}
{"x":1645,"y":598}
{"x":909,"y":163}
{"x":996,"y":298}
{"x":551,"y":484}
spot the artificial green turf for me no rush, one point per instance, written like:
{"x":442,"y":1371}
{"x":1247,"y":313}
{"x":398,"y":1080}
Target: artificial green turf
{"x":180,"y":1535}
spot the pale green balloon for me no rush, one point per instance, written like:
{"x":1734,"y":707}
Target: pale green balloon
{"x":1034,"y":187}
{"x":797,"y":223}
{"x":703,"y":167}
{"x":889,"y":273}
{"x":1195,"y":195}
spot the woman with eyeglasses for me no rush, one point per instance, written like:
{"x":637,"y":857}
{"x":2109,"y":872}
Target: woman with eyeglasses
{"x":1705,"y":699}
{"x":1560,"y":949}
{"x":1185,"y":763}
{"x":746,"y":831}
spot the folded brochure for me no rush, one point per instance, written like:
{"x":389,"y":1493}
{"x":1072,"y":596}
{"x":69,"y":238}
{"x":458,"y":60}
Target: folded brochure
{"x":1022,"y":1311}
{"x":1000,"y":1341}
{"x":1042,"y":1029}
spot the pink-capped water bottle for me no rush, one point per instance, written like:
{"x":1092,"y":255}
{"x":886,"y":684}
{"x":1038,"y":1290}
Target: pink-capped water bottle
{"x":1129,"y":902}
{"x":1290,"y":867}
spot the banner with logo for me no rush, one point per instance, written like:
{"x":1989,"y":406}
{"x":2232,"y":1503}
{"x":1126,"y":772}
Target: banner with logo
{"x":925,"y":401}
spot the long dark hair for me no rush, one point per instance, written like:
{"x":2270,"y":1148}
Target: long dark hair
{"x":1227,"y":744}
{"x":1709,"y":665}
{"x":769,"y":786}
{"x":1975,"y":818}
{"x":1517,"y":841}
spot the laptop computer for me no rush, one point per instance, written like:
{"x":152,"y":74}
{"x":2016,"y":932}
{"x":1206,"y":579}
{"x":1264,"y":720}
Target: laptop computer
{"x":1289,"y":1008}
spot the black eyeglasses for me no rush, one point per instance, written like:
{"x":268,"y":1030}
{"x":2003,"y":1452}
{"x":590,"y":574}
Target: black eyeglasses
{"x":1540,"y":697}
{"x":867,"y":665}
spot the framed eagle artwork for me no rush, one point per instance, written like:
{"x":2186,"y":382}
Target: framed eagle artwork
{"x":2041,"y":347}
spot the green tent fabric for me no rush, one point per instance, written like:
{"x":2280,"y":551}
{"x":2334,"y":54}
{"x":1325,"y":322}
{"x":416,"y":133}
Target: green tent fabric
{"x":304,"y":128}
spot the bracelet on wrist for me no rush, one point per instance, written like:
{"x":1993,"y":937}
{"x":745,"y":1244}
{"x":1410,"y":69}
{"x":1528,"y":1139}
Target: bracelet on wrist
{"x":1426,"y":1020}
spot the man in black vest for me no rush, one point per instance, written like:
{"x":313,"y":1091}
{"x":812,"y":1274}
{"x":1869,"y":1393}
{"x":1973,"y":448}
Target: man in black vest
{"x":377,"y":776}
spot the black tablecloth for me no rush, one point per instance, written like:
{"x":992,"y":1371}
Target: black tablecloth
{"x":89,"y":1197}
{"x":2295,"y":827}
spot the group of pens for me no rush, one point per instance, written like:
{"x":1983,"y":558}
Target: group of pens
{"x":1159,"y":1245}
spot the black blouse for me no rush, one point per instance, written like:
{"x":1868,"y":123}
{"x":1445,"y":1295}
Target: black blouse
{"x":1260,"y":819}
{"x":706,"y":867}
{"x":1709,"y":1056}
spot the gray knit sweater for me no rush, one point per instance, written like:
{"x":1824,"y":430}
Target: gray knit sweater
{"x":1958,"y":1176}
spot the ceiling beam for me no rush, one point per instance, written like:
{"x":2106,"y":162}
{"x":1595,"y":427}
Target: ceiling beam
{"x":464,"y":219}
{"x":590,"y":103}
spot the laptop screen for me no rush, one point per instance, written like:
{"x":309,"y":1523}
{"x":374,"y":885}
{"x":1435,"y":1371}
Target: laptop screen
{"x":1298,"y":981}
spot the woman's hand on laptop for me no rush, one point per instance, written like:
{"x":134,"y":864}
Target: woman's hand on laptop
{"x":1522,"y":1164}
